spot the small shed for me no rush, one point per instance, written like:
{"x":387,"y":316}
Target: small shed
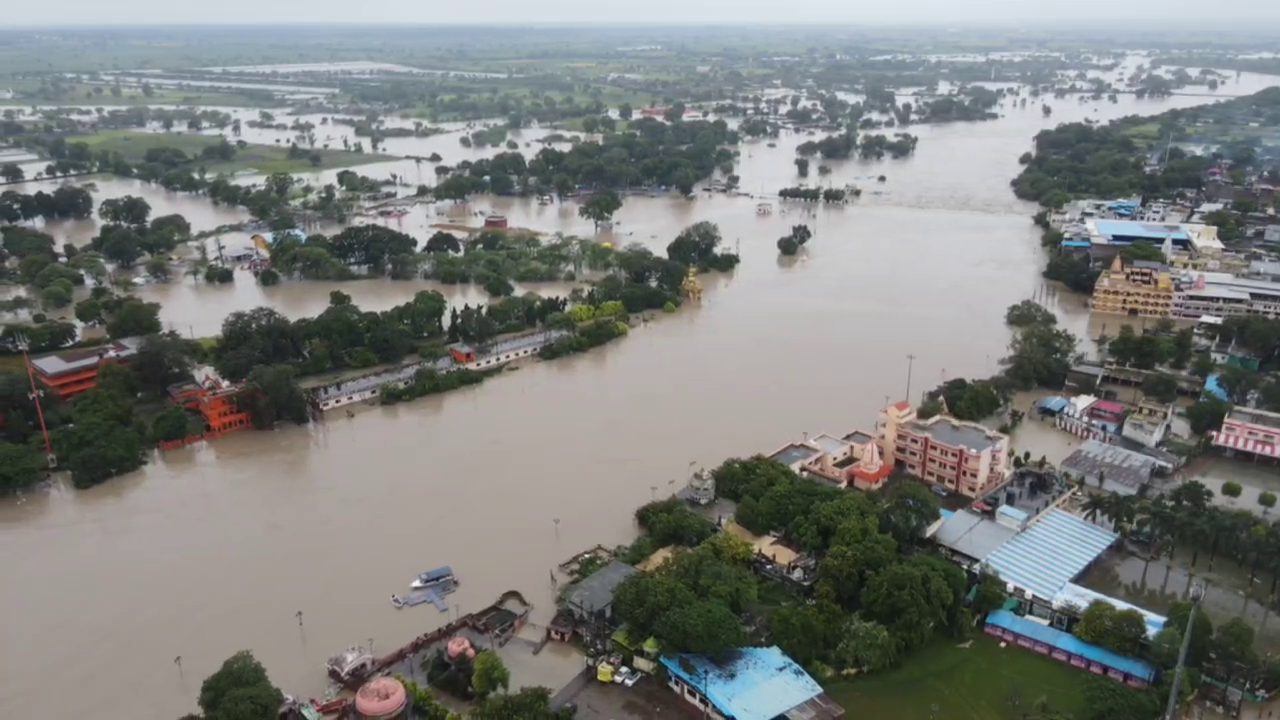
{"x":594,"y":595}
{"x":462,"y":353}
{"x":1051,"y":405}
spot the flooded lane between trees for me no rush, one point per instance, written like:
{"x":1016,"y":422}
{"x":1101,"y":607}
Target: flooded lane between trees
{"x":213,"y":549}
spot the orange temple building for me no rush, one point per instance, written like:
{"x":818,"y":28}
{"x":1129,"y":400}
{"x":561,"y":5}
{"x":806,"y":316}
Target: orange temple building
{"x":214,"y":398}
{"x":75,"y":371}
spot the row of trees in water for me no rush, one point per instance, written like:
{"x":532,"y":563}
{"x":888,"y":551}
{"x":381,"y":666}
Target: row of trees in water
{"x":270,"y":352}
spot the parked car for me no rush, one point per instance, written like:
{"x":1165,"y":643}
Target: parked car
{"x":627,"y":677}
{"x":981,"y":507}
{"x":939,"y":490}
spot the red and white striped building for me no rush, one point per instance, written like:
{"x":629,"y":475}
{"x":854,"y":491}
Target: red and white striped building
{"x":1252,"y":431}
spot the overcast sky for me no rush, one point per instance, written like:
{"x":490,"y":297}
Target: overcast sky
{"x":1247,"y":13}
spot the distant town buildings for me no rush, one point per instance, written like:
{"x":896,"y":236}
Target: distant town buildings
{"x":1222,"y":294}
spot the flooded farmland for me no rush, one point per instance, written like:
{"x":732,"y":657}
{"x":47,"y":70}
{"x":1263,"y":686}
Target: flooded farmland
{"x":213,"y":549}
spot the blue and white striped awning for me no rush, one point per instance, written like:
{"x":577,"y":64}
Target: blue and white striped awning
{"x":1049,"y":554}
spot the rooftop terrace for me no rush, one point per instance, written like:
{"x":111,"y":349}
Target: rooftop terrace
{"x":793,"y":453}
{"x":955,"y":434}
{"x":1255,"y":417}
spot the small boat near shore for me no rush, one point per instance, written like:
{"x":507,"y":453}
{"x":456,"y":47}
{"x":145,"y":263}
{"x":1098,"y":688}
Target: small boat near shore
{"x":433,"y":578}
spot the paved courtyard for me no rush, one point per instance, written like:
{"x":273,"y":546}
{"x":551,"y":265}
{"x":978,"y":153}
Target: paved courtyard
{"x":647,"y":700}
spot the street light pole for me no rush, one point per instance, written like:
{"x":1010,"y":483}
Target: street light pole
{"x":50,"y":458}
{"x":911,"y":361}
{"x":1197,"y":594}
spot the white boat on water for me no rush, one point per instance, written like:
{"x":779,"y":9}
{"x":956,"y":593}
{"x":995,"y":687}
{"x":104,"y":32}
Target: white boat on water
{"x":433,"y":578}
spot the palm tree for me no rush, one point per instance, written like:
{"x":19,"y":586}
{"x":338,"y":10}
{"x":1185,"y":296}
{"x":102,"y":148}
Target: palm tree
{"x":1123,"y":510}
{"x":1195,"y":529}
{"x":1096,"y":505}
{"x":1257,"y":544}
{"x":1273,"y":555}
{"x":1192,"y":494}
{"x":1218,"y":525}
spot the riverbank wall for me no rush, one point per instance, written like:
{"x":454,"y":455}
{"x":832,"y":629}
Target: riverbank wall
{"x":362,"y":388}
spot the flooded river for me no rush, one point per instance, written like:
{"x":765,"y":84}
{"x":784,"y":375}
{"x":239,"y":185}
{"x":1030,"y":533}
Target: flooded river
{"x":213,"y":549}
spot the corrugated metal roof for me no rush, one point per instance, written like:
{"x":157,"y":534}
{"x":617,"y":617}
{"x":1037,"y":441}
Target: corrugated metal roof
{"x":595,"y":592}
{"x":1053,"y":403}
{"x":972,"y":535}
{"x":760,"y":683}
{"x":1067,"y":642}
{"x":1046,"y":556}
{"x":1145,"y":231}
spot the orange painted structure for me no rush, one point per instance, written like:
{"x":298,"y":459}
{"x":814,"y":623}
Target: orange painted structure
{"x":462,"y":353}
{"x":72,"y":372}
{"x":215,"y":400}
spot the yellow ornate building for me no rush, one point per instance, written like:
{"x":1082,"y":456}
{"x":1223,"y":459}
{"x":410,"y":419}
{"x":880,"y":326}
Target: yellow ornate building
{"x":1143,"y":289}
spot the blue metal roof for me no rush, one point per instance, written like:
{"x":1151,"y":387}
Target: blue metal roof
{"x":1213,"y":386}
{"x":1140,"y":230}
{"x":1067,"y":642}
{"x":1046,"y":556}
{"x":1013,"y":513}
{"x":760,"y":683}
{"x":1053,"y":403}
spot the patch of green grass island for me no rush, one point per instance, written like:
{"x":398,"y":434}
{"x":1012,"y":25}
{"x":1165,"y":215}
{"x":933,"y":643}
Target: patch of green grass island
{"x":265,"y":159}
{"x":965,"y":683}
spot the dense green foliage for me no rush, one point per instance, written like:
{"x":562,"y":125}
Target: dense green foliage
{"x":430,"y":382}
{"x":791,"y":243}
{"x":650,"y":153}
{"x":585,"y":337}
{"x":240,"y":690}
{"x":871,"y":604}
{"x":1078,"y":159}
{"x":65,"y":202}
{"x":341,"y":336}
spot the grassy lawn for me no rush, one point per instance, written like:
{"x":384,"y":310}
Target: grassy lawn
{"x":1149,"y":131}
{"x":971,"y":683}
{"x":260,"y":158}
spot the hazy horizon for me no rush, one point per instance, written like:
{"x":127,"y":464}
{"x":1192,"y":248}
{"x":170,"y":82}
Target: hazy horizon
{"x":1249,"y":15}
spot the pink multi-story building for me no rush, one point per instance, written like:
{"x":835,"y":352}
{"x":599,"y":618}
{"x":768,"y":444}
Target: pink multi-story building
{"x":963,"y":457}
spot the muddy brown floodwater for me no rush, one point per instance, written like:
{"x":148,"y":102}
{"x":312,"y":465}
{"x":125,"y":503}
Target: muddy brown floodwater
{"x":213,"y":549}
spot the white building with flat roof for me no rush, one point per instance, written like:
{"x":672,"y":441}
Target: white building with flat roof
{"x":1224,"y":295}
